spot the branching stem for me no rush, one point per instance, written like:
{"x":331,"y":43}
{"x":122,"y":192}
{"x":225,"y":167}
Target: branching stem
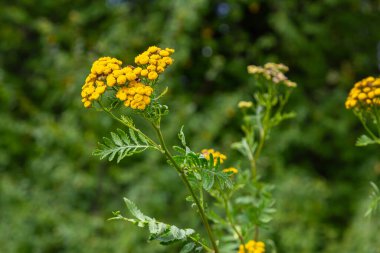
{"x":187,"y":183}
{"x":232,"y":223}
{"x":151,"y":142}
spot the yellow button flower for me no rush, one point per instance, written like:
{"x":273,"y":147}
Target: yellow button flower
{"x":252,"y":247}
{"x":364,"y":94}
{"x":152,"y":75}
{"x":216,"y":154}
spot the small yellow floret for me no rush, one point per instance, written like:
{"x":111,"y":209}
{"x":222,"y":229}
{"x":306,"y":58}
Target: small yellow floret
{"x":216,"y":155}
{"x":121,"y":80}
{"x":137,"y":70}
{"x":144,"y":72}
{"x":231,"y":169}
{"x":111,"y":81}
{"x":87,"y":104}
{"x":164,"y":53}
{"x":152,"y":75}
{"x":252,"y":247}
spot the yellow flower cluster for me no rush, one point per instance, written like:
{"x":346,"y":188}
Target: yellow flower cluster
{"x":216,"y":154}
{"x":365,"y":94}
{"x":154,"y":61}
{"x":252,"y":247}
{"x":129,"y":82}
{"x":135,"y":95}
{"x":95,"y":84}
{"x":123,"y":75}
{"x":231,"y":169}
{"x":274,"y":72}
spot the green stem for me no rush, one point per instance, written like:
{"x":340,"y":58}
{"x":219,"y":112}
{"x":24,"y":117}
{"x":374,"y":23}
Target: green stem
{"x":256,"y":233}
{"x":367,"y":128}
{"x":230,"y":220}
{"x":253,"y":168}
{"x":151,"y":142}
{"x":187,"y":183}
{"x":202,"y":244}
{"x":263,"y":131}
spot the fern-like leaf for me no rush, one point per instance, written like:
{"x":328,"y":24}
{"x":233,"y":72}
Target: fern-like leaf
{"x":122,"y":144}
{"x":162,"y":232}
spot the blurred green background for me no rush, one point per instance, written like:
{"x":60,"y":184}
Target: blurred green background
{"x":56,"y":197}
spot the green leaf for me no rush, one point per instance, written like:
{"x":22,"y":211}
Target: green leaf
{"x":116,"y":139}
{"x":375,"y":200}
{"x":188,"y":247}
{"x":208,"y":180}
{"x":364,"y":140}
{"x":164,"y":233}
{"x":210,"y":176}
{"x":127,"y":120}
{"x":375,"y":188}
{"x":177,"y":233}
{"x":179,"y":150}
{"x":215,"y":217}
{"x":134,"y":210}
{"x":122,"y":144}
{"x":265,"y":218}
{"x":181,"y":136}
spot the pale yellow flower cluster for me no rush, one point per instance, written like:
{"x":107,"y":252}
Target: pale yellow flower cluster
{"x":274,"y":72}
{"x":245,"y":104}
{"x":252,"y":247}
{"x":364,"y":94}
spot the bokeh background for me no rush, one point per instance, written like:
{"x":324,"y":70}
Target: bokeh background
{"x":56,"y":197}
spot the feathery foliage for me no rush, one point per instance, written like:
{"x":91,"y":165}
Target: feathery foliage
{"x":122,"y":144}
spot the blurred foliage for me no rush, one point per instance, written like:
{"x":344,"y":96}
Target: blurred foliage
{"x":56,"y":197}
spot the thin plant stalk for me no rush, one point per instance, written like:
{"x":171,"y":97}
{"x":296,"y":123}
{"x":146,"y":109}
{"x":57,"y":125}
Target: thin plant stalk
{"x":187,"y":183}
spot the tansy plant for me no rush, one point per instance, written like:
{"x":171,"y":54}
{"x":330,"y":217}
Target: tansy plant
{"x":233,"y":205}
{"x":364,"y":101}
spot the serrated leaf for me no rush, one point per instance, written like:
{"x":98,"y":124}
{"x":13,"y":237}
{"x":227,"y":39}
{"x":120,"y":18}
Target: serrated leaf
{"x":127,"y":120}
{"x":179,"y":150}
{"x":177,"y":233}
{"x":164,"y":233}
{"x":181,"y":136}
{"x":121,"y":145}
{"x":197,"y":175}
{"x":188,"y":247}
{"x":123,"y":136}
{"x":364,"y":140}
{"x":116,"y":139}
{"x":134,"y":210}
{"x":210,"y":176}
{"x":207,"y":180}
{"x":133,"y":135}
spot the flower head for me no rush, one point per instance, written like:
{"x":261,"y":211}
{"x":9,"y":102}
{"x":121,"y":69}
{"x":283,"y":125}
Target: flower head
{"x":274,"y":72}
{"x":364,"y":94}
{"x":231,"y":170}
{"x":135,"y":95}
{"x":99,"y":78}
{"x":252,"y":247}
{"x":154,"y":61}
{"x":131,"y":83}
{"x":215,"y":154}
